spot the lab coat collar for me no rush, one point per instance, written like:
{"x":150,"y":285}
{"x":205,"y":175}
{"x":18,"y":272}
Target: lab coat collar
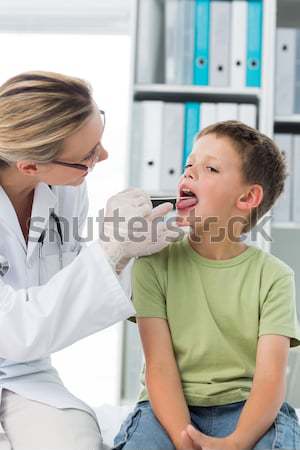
{"x":44,"y":202}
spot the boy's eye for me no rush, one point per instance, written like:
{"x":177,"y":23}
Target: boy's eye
{"x":213,"y":169}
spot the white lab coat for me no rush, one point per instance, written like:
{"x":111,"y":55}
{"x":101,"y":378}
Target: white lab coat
{"x":70,"y":303}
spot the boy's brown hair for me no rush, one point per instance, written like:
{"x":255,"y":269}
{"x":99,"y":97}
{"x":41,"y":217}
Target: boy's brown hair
{"x":262,"y":162}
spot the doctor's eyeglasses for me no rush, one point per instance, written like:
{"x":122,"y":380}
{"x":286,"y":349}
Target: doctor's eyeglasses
{"x":92,"y":158}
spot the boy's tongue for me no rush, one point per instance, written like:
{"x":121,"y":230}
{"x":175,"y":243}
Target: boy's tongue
{"x":186,"y":202}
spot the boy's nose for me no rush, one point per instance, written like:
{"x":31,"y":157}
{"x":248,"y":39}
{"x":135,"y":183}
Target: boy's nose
{"x":188,"y":173}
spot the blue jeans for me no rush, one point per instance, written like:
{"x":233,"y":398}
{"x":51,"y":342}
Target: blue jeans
{"x":142,"y":431}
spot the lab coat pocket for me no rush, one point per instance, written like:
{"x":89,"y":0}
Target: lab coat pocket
{"x":69,"y":252}
{"x":55,"y":258}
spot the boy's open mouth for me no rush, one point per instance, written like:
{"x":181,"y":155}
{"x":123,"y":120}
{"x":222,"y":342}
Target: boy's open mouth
{"x":187,"y":199}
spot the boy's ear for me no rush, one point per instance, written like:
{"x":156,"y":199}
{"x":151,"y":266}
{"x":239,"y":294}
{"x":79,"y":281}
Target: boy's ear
{"x":251,"y":199}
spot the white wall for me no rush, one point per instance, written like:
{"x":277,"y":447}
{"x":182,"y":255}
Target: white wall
{"x":67,"y":16}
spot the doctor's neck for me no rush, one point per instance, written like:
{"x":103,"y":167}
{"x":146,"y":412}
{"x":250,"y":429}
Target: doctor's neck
{"x":18,"y":186}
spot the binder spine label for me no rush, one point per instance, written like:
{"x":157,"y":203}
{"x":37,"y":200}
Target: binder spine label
{"x":254,"y":42}
{"x":191,"y":127}
{"x":201,"y":56}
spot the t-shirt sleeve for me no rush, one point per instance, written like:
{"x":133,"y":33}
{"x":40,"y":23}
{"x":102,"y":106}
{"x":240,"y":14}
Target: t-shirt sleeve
{"x":148,"y":296}
{"x":278,"y":312}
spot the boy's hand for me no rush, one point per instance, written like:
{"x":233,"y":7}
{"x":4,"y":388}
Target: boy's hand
{"x":186,"y":442}
{"x":195,"y":440}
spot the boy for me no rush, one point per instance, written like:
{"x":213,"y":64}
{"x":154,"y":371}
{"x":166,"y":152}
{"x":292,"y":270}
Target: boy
{"x":217,"y":317}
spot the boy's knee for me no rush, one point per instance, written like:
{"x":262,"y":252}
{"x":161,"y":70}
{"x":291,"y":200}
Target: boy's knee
{"x":141,"y":430}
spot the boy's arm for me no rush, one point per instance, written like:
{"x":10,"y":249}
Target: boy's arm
{"x":162,"y":378}
{"x":268,"y":390}
{"x":263,"y":404}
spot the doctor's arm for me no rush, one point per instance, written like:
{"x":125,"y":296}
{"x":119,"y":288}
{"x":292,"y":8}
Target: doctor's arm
{"x":79,"y":300}
{"x":163,"y":378}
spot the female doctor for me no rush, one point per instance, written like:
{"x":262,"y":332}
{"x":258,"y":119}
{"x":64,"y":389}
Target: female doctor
{"x":53,"y":292}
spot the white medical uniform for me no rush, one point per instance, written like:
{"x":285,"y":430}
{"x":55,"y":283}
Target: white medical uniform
{"x":44,"y":308}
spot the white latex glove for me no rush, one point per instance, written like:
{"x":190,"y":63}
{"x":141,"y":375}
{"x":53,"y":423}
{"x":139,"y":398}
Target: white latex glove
{"x":130,"y":237}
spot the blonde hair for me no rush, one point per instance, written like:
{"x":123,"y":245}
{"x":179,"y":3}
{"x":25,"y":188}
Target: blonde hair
{"x":38,"y":110}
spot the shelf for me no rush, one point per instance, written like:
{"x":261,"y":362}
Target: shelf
{"x":286,"y":225}
{"x":288,"y":14}
{"x":287,"y":124}
{"x":167,"y":92}
{"x":295,"y":118}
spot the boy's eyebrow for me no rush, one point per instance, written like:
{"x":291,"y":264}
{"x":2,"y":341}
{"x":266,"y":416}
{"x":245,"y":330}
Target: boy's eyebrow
{"x":212,"y":157}
{"x":191,"y":159}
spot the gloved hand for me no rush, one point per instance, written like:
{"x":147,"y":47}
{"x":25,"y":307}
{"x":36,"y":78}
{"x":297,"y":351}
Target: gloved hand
{"x":132,"y":228}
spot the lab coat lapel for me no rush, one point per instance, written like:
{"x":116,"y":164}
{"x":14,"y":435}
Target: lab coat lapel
{"x":9,"y":217}
{"x":44,"y":202}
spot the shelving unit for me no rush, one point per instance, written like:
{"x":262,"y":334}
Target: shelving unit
{"x":288,"y":119}
{"x":201,"y":93}
{"x":286,"y":225}
{"x":262,"y":97}
{"x":286,"y":235}
{"x":276,"y":13}
{"x":287,"y":124}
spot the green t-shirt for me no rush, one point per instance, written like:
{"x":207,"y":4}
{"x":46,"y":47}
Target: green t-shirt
{"x":216,"y":310}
